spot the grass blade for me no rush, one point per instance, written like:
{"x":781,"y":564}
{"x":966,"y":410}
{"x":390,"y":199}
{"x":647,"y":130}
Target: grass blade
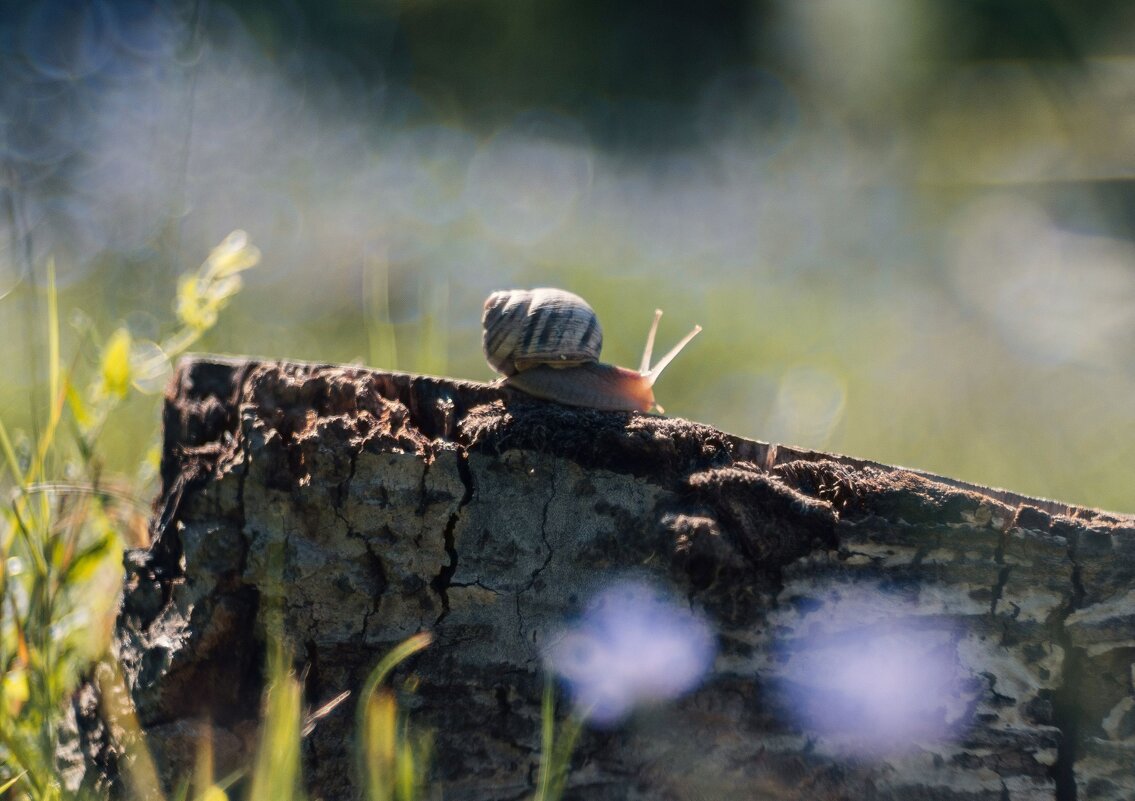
{"x":8,"y":785}
{"x":10,"y":460}
{"x":53,"y":365}
{"x":387,"y":764}
{"x":398,"y":653}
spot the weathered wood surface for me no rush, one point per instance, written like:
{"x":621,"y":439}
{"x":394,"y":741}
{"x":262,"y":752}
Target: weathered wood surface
{"x":402,"y":503}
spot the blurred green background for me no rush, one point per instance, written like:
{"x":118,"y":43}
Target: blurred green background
{"x":906,"y":225}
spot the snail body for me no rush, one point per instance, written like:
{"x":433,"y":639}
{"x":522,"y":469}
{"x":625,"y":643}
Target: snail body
{"x":546,"y":343}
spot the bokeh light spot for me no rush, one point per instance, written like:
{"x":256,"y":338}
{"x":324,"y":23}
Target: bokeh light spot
{"x":632,"y":646}
{"x":525,"y":181}
{"x":863,"y":678}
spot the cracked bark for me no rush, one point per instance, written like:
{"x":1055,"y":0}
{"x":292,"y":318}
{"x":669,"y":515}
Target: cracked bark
{"x":405,"y":503}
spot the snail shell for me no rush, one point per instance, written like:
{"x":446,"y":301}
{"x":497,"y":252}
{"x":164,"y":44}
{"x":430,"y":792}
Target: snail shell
{"x":546,"y":343}
{"x":525,"y":328}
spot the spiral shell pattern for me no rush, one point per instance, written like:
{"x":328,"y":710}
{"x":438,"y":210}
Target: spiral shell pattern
{"x":524,"y":328}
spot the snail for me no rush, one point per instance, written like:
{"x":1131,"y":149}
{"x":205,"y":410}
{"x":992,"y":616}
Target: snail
{"x":546,"y":342}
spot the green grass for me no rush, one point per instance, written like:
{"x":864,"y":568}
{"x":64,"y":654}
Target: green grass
{"x":392,"y":760}
{"x":555,"y":747}
{"x":64,"y":526}
{"x":63,"y":531}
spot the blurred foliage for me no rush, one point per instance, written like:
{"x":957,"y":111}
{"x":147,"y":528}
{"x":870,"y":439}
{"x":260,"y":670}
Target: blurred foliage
{"x":392,"y":760}
{"x":594,"y":59}
{"x":905,"y":224}
{"x":64,"y":525}
{"x":276,"y":769}
{"x":555,"y":746}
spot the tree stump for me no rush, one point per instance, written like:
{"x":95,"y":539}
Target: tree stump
{"x":881,"y":633}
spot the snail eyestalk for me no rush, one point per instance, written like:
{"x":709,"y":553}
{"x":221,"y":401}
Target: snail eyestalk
{"x":655,"y":371}
{"x":647,"y":352}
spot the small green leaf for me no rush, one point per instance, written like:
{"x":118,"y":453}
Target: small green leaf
{"x":188,"y":304}
{"x":232,"y":256}
{"x":80,"y":411}
{"x":14,"y":690}
{"x":116,"y":364}
{"x":84,"y":564}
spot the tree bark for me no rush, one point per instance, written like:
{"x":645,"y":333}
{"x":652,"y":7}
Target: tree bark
{"x":368,"y":506}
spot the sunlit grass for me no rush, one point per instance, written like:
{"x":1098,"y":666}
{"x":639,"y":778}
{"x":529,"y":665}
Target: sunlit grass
{"x":60,"y":550}
{"x":392,"y":760}
{"x":65,"y":524}
{"x":276,"y":773}
{"x":381,"y":337}
{"x":556,"y":746}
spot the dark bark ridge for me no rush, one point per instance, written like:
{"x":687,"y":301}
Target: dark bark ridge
{"x":370,"y":505}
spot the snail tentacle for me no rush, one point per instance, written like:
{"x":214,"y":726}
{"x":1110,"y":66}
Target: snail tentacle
{"x":656,"y":370}
{"x":648,"y":351}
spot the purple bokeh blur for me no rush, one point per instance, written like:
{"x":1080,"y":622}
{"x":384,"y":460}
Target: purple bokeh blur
{"x":632,"y":646}
{"x":871,"y":685}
